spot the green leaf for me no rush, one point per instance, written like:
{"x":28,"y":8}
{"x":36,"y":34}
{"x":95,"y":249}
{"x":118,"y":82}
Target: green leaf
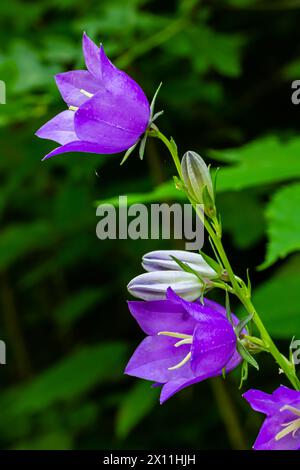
{"x":166,"y":191}
{"x":17,"y":241}
{"x":283,"y":229}
{"x":247,"y":226}
{"x":66,"y":380}
{"x":58,"y":440}
{"x":135,"y":406}
{"x":78,"y":304}
{"x":263,"y":161}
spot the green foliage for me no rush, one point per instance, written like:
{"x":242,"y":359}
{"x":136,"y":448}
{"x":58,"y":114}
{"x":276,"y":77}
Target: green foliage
{"x":283,"y":224}
{"x":278,"y":301}
{"x":136,"y":405}
{"x":62,"y":292}
{"x":67,"y":379}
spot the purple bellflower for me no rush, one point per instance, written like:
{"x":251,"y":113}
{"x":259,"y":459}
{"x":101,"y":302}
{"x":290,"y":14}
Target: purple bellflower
{"x":281,"y":428}
{"x":108,"y":111}
{"x":186,"y":343}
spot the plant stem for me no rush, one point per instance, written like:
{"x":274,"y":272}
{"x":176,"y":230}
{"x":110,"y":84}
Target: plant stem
{"x":242,"y":294}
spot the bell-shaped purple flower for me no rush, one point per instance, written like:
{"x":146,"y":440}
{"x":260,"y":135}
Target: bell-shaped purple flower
{"x":281,"y":428}
{"x":187,"y":342}
{"x":108,"y":111}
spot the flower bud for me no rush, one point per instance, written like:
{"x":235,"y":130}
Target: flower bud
{"x":196,"y":177}
{"x":162,"y":260}
{"x":153,"y":285}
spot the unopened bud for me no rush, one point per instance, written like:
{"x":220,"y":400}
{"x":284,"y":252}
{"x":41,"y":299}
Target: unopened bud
{"x":197,"y":179}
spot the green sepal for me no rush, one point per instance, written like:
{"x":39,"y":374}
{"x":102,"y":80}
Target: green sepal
{"x":244,"y":373}
{"x":185,"y":267}
{"x":173,"y":144}
{"x":249,"y":287}
{"x":228,"y":309}
{"x":129,"y":152}
{"x":212,"y":263}
{"x":152,"y":105}
{"x":178,"y":183}
{"x":209,"y":204}
{"x":142,"y":146}
{"x":246,"y":355}
{"x":241,"y":325}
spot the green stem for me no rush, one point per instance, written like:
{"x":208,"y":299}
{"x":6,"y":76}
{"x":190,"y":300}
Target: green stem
{"x":242,"y":294}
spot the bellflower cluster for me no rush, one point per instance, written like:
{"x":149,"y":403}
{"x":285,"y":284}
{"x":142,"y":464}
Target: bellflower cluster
{"x":189,"y":338}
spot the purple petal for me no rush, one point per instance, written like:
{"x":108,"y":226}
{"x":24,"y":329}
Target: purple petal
{"x":233,"y":362}
{"x":88,"y":147}
{"x":174,"y":386}
{"x":161,"y":315}
{"x":214,"y":343}
{"x":270,"y":428}
{"x":108,"y":71}
{"x":91,"y":56}
{"x":113,"y":117}
{"x":154,"y":356}
{"x":60,"y":128}
{"x":261,"y":401}
{"x":70,"y":84}
{"x":285,"y":395}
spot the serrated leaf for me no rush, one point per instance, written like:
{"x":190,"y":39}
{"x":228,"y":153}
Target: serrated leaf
{"x":283,"y":229}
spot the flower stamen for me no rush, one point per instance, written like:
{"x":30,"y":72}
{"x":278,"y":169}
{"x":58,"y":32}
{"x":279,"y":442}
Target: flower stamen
{"x":290,"y":427}
{"x":173,"y":334}
{"x":73,"y":108}
{"x":181,"y":363}
{"x":86,"y":93}
{"x":184,"y":339}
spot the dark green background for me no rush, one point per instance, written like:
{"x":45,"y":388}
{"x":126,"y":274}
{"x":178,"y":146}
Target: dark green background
{"x":226,"y":69}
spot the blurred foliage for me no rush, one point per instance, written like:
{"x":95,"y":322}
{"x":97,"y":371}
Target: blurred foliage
{"x":226,"y":68}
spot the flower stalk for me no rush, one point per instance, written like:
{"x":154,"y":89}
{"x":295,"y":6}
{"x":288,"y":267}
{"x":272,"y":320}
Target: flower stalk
{"x":238,"y":286}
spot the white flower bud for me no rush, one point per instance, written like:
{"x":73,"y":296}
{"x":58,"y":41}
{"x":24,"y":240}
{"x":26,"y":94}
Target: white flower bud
{"x":161,"y":260}
{"x":196,"y":176}
{"x":153,"y":285}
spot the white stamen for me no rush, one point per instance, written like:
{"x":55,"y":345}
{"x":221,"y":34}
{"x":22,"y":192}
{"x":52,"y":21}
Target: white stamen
{"x":294,"y":410}
{"x":181,"y":363}
{"x":73,"y":108}
{"x":173,"y":335}
{"x":290,"y":427}
{"x":183,"y":341}
{"x":86,"y":93}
